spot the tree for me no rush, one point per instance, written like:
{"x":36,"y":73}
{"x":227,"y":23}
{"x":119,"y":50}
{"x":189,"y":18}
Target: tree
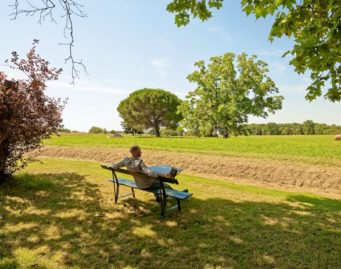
{"x":306,"y":128}
{"x":315,"y":27}
{"x":298,"y":129}
{"x":169,"y":132}
{"x":129,"y":130}
{"x":285,"y":129}
{"x":150,"y":108}
{"x":228,"y":91}
{"x":27,"y":115}
{"x":64,"y":130}
{"x":96,"y":130}
{"x":273,"y":128}
{"x":309,"y":127}
{"x":320,"y":128}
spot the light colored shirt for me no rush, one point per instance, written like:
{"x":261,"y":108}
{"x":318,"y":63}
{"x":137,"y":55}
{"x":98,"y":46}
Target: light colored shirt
{"x":138,"y":165}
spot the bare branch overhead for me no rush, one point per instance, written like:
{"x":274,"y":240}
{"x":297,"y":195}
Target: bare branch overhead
{"x":45,"y":9}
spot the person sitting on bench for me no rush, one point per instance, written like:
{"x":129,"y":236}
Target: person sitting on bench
{"x":136,"y":164}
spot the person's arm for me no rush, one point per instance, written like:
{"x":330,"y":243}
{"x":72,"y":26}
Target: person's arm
{"x":122,"y":163}
{"x":146,"y":170}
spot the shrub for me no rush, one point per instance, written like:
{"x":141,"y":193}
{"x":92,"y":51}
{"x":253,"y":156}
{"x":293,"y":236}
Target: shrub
{"x":27,"y":115}
{"x":96,"y":130}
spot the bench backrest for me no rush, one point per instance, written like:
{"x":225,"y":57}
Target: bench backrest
{"x":127,"y":172}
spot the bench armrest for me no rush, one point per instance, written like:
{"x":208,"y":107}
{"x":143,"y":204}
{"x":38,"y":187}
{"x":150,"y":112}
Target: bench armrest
{"x":127,"y":172}
{"x":107,"y":166}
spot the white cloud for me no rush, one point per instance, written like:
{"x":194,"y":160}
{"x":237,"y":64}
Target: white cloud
{"x":219,"y":31}
{"x":214,"y":29}
{"x":278,"y":67}
{"x":294,"y":89}
{"x":276,"y":53}
{"x":86,"y":86}
{"x":162,"y":66}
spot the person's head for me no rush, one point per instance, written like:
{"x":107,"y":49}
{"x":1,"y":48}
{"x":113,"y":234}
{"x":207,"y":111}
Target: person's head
{"x":136,"y":151}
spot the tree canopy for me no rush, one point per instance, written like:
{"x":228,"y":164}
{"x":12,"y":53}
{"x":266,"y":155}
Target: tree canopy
{"x":130,"y":130}
{"x":150,"y":108}
{"x":306,"y":128}
{"x":315,"y":27}
{"x":229,"y":89}
{"x":97,"y":130}
{"x":27,"y":115}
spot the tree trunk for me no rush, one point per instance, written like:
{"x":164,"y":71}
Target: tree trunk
{"x":157,"y":130}
{"x":226,"y":133}
{"x":4,"y":177}
{"x":3,"y":159}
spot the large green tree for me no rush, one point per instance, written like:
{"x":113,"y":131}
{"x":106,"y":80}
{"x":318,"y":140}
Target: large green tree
{"x":229,"y":89}
{"x":314,"y":25}
{"x":150,"y":108}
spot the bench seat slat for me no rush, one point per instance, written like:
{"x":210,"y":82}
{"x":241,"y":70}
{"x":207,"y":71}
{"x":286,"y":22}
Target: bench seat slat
{"x":127,"y":182}
{"x":178,"y":194}
{"x":171,"y":193}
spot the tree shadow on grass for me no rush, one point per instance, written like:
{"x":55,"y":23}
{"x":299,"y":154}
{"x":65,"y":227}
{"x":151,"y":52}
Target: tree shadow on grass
{"x":63,"y":221}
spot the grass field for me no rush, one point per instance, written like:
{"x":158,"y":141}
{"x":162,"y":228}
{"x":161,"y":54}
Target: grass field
{"x":313,"y":149}
{"x":60,"y":215}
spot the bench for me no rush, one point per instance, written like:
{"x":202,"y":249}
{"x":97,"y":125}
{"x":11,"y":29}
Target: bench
{"x":163,"y":193}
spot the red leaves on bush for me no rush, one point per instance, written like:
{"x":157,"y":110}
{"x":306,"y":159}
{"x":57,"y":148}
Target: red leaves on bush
{"x":27,"y":115}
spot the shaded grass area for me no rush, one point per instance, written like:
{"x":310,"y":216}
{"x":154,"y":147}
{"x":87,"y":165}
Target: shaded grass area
{"x":315,"y":149}
{"x":60,"y":215}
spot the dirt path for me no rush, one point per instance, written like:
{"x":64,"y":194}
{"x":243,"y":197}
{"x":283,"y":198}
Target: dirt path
{"x":284,"y":174}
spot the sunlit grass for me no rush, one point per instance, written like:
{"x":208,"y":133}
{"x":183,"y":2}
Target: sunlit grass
{"x":60,"y":214}
{"x":315,"y":149}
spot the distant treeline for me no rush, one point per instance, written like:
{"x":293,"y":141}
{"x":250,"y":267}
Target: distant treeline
{"x":306,"y":128}
{"x":99,"y":130}
{"x":92,"y":130}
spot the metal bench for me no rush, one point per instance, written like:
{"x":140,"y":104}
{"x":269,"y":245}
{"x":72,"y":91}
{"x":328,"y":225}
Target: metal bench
{"x":163,"y":192}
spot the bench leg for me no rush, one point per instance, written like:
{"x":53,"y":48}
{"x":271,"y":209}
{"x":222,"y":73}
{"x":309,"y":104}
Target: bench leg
{"x":179,"y":204}
{"x":116,"y":192}
{"x":163,"y":204}
{"x":163,"y":199}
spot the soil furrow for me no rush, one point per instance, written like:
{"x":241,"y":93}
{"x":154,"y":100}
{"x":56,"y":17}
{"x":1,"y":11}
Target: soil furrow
{"x":320,"y":179}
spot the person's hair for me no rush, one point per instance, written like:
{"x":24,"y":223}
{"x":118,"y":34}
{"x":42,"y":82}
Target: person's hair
{"x":134,"y":148}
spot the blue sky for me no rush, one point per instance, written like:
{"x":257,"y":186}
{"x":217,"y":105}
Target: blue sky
{"x":128,"y":45}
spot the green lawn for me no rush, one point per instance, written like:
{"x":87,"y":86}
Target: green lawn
{"x":60,"y":215}
{"x":316,"y":149}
